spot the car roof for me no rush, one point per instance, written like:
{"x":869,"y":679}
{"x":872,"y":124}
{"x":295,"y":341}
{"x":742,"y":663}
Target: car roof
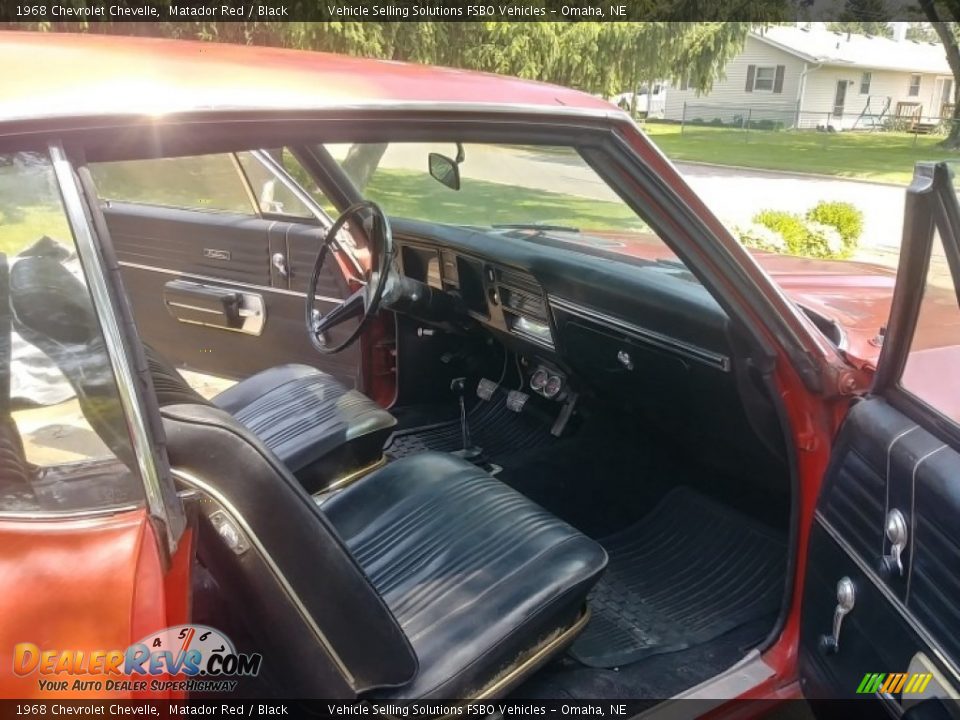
{"x":62,"y":75}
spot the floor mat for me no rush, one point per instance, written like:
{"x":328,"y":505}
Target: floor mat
{"x":495,"y":428}
{"x":686,"y":574}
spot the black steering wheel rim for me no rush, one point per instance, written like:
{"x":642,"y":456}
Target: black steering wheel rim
{"x":380,"y":243}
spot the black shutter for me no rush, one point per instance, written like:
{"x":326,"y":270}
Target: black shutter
{"x":751,"y":71}
{"x":778,"y":79}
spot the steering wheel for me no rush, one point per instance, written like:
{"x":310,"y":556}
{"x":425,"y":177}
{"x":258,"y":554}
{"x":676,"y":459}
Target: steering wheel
{"x":364,"y":302}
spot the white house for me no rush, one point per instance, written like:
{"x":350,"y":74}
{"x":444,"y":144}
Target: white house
{"x":807,"y":76}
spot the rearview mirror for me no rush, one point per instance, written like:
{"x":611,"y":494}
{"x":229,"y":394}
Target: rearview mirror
{"x":444,"y":170}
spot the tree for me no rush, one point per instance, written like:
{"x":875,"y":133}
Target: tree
{"x":947,"y":32}
{"x":597,"y":57}
{"x":864,"y":17}
{"x":881,"y":29}
{"x":922,"y":32}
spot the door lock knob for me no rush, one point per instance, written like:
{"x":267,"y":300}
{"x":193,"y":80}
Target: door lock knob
{"x":280,"y":263}
{"x":846,"y":598}
{"x":896,"y":531}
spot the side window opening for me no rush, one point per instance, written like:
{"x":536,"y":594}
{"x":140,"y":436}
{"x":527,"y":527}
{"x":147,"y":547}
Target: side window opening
{"x":64,"y":444}
{"x":272,"y":195}
{"x":932,"y":371}
{"x":211,"y":183}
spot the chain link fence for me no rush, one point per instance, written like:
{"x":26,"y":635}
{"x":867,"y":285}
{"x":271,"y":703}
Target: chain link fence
{"x":778,"y":117}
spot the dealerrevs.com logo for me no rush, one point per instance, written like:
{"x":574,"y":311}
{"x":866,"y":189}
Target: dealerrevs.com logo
{"x":188,"y":658}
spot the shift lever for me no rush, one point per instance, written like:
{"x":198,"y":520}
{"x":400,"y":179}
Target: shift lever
{"x":469,"y":451}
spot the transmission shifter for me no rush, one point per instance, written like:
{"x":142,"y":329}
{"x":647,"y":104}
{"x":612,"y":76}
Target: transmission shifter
{"x":469,"y":451}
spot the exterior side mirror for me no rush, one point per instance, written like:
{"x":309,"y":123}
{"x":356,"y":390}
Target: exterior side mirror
{"x":444,"y":170}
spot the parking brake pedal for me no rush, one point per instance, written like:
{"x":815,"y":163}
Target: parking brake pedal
{"x":486,"y":388}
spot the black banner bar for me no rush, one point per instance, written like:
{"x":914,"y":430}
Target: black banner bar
{"x":260,"y":11}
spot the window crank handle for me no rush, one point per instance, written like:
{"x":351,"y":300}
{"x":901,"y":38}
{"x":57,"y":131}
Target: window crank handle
{"x":846,"y":596}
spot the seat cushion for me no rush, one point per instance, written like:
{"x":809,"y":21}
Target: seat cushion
{"x":477,"y":575}
{"x":318,"y":428}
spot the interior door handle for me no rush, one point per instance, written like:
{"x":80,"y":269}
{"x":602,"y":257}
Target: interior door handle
{"x":846,"y":598}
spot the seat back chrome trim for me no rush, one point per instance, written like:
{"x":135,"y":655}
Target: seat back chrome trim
{"x":197,"y":484}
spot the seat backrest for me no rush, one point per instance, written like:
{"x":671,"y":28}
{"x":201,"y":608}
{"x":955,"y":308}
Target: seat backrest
{"x":302,"y":588}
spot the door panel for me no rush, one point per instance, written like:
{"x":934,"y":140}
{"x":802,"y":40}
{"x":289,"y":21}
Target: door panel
{"x":222,"y":245}
{"x":156,"y":245}
{"x":881,"y":608}
{"x":884,"y":462}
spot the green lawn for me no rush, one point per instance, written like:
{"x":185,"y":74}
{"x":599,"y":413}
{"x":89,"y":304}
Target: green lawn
{"x":29,"y":207}
{"x":881,"y":156}
{"x":411,"y":194}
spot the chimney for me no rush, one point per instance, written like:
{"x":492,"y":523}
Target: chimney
{"x":899,"y":31}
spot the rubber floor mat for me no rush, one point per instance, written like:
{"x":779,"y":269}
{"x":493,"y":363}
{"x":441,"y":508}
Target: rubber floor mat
{"x":495,"y":428}
{"x":687,"y":573}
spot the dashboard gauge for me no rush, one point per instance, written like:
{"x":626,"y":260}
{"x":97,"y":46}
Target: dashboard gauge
{"x":539,"y":379}
{"x":553,"y":386}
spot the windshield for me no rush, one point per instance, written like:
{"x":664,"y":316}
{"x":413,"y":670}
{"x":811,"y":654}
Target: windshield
{"x":530,"y":192}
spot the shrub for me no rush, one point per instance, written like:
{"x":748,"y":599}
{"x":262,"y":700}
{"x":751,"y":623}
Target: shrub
{"x":843,"y":217}
{"x":760,"y":237}
{"x":807,"y":238}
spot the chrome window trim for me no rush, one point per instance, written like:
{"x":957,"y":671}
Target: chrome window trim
{"x":228,"y":283}
{"x":172,"y":515}
{"x":245,"y":181}
{"x":303,"y":196}
{"x":650,"y":337}
{"x":54,"y":515}
{"x":324,"y":111}
{"x":196,"y":484}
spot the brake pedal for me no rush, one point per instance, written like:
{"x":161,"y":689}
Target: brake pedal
{"x":516,"y":400}
{"x":486,"y":388}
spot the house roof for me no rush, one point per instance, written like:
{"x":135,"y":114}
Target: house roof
{"x":69,"y":75}
{"x":816,"y":44}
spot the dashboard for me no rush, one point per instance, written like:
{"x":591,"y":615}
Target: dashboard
{"x":503,"y":299}
{"x":644,"y":336}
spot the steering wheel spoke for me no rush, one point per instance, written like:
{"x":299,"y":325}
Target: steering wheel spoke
{"x":353,"y":307}
{"x":365,"y":301}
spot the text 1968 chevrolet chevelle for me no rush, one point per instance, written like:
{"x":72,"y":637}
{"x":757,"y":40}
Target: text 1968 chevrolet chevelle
{"x":338,"y":378}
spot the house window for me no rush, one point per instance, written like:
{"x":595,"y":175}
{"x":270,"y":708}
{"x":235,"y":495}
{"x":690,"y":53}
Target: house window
{"x":865,"y":83}
{"x":914,"y":90}
{"x":763,"y":79}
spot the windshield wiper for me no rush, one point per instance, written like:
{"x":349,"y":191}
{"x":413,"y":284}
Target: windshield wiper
{"x":543,"y":227}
